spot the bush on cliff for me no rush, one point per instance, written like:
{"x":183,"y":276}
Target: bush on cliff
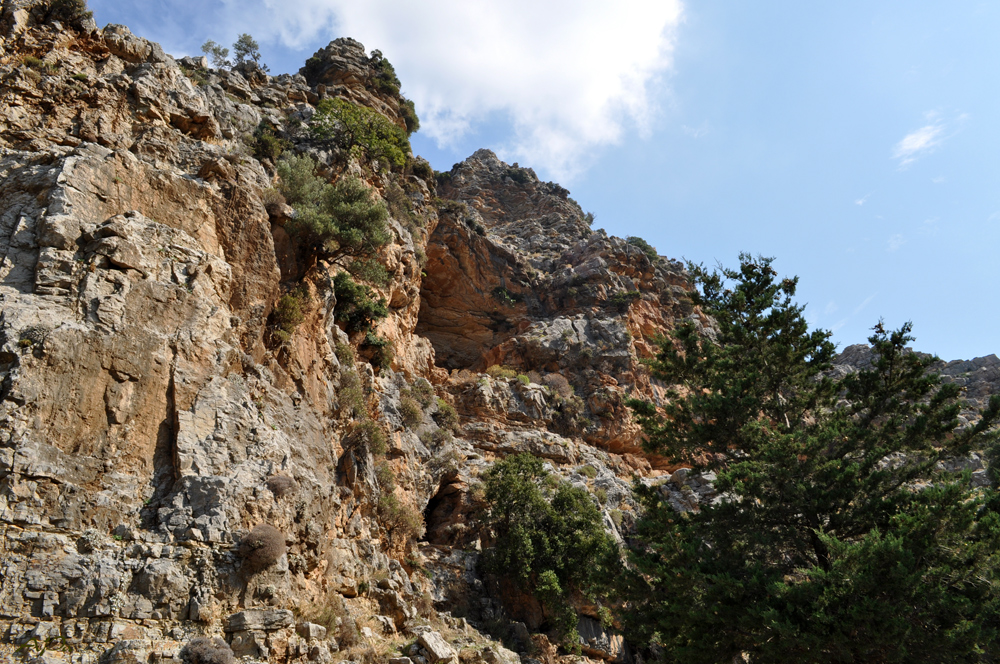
{"x":71,"y":12}
{"x":357,"y":305}
{"x":548,"y":539}
{"x":204,"y":650}
{"x":365,"y":133}
{"x":341,"y":221}
{"x":263,"y":547}
{"x":840,"y":538}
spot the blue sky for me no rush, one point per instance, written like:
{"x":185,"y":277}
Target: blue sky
{"x":856,"y":142}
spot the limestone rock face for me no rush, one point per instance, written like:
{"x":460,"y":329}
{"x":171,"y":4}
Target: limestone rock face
{"x":154,"y":410}
{"x":515,"y":276}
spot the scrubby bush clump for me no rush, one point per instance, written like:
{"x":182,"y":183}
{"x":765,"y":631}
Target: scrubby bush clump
{"x":282,"y":485}
{"x":340,"y":221}
{"x":364,"y":133}
{"x":410,"y":411}
{"x":71,"y":12}
{"x":646,"y":247}
{"x":369,"y":436}
{"x":446,"y":415}
{"x":204,"y":650}
{"x":401,"y":521}
{"x":288,"y":314}
{"x":263,"y":547}
{"x":356,"y":304}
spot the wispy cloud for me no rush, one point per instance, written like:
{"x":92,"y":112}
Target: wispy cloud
{"x":863,"y":199}
{"x":895,"y":242}
{"x":926,"y":139}
{"x":857,"y":310}
{"x":696,"y":132}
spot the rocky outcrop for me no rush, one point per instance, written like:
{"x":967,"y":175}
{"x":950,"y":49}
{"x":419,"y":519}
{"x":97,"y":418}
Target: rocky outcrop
{"x":151,"y":417}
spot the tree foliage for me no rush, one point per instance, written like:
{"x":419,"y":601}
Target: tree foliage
{"x":363,"y":132}
{"x":548,"y":541}
{"x":837,"y":538}
{"x":343,"y":220}
{"x":246,"y":51}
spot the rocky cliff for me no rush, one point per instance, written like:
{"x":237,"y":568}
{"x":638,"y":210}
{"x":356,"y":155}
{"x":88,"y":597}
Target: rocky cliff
{"x":152,"y":419}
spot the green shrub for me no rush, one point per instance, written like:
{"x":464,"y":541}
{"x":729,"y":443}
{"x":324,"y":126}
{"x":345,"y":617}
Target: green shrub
{"x":399,"y":519}
{"x":385,"y":476}
{"x":422,"y":391}
{"x":548,"y":540}
{"x":410,"y":411}
{"x":437,"y":437}
{"x":356,"y":304}
{"x":601,"y":495}
{"x":368,"y":436}
{"x":351,"y":395}
{"x":623,"y":299}
{"x":506,"y":297}
{"x":524,"y":380}
{"x":616,"y":518}
{"x":385,"y":79}
{"x":401,"y":206}
{"x":646,"y":247}
{"x":587,"y":471}
{"x":288,"y":314}
{"x":501,"y":372}
{"x":408,"y":112}
{"x":265,"y":144}
{"x":80,"y":77}
{"x":344,"y":353}
{"x":361,"y":131}
{"x":383,"y":350}
{"x":446,"y":415}
{"x":71,"y":12}
{"x":339,"y":220}
{"x":422,"y":169}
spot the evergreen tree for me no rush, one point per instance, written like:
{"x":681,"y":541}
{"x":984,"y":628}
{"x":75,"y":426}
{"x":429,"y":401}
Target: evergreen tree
{"x":246,"y":50}
{"x":836,"y":537}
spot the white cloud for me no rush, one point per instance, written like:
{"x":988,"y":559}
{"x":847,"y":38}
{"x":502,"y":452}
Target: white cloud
{"x":895,"y":242}
{"x":863,"y":199}
{"x":569,"y":76}
{"x":916,"y":144}
{"x":923,"y":141}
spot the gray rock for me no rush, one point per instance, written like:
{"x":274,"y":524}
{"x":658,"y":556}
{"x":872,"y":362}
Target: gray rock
{"x":438,"y":650}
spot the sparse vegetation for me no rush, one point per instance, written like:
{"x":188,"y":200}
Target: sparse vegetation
{"x":587,"y":471}
{"x":382,"y":350}
{"x":506,"y":297}
{"x":422,"y":391}
{"x":646,"y":247}
{"x":351,"y":395}
{"x":70,"y":12}
{"x":410,"y":411}
{"x":288,"y":314}
{"x":261,"y":548}
{"x":446,"y":415}
{"x":401,"y":520}
{"x":558,"y":384}
{"x":501,"y":372}
{"x":217,"y":54}
{"x":265,"y":143}
{"x":622,"y":300}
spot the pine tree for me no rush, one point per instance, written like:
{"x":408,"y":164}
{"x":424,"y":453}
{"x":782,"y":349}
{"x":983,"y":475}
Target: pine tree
{"x":836,"y":537}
